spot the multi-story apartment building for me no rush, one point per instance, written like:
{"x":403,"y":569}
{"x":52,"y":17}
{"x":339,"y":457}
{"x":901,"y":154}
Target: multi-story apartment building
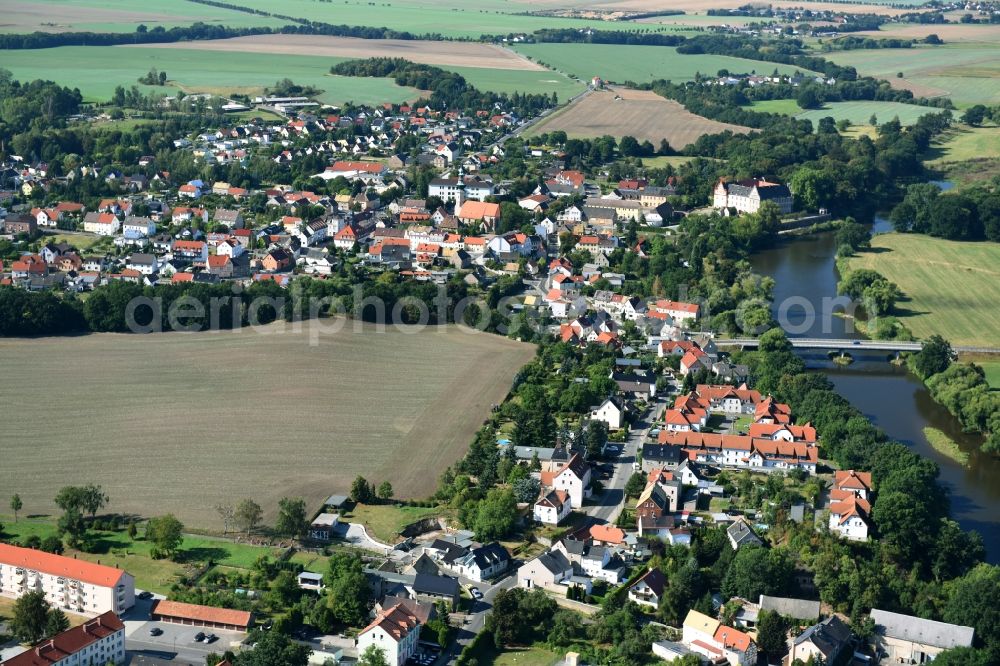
{"x":74,"y":585}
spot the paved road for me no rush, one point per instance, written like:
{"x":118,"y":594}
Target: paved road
{"x":611,"y":502}
{"x":850,"y":344}
{"x":477,"y":618}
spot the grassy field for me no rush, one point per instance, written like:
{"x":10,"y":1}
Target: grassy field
{"x":951,"y":288}
{"x":642,"y":114}
{"x":182,"y":422}
{"x":384,"y":521}
{"x":963,"y":143}
{"x":118,"y":15}
{"x":859,"y":113}
{"x":968,"y":73}
{"x":620,"y":63}
{"x":992,"y":369}
{"x":96,"y":71}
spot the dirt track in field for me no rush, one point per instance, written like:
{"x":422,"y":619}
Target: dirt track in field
{"x":183,"y":422}
{"x":453,"y":54}
{"x":642,"y":114}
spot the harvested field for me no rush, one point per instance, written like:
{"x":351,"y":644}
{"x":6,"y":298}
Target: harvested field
{"x":457,"y":54}
{"x":642,"y":114}
{"x":873,"y":7}
{"x":182,"y":422}
{"x":949,"y":32}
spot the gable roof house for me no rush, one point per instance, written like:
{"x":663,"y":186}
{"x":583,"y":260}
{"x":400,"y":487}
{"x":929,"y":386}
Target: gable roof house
{"x":827,"y":639}
{"x":550,"y":571}
{"x":100,"y":640}
{"x":648,"y":589}
{"x":552,"y":507}
{"x":741,"y":534}
{"x":573,"y":477}
{"x":904,"y":639}
{"x":395,"y":631}
{"x":483,"y":563}
{"x":850,"y":518}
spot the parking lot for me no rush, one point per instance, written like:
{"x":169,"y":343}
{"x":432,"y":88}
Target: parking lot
{"x":176,"y":643}
{"x":425,"y":655}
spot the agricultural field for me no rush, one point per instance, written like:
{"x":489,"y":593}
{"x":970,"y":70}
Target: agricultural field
{"x":949,"y":32}
{"x":642,"y":114}
{"x":97,"y":70}
{"x":968,"y":73}
{"x":951,"y":288}
{"x":450,"y":18}
{"x":464,"y":54}
{"x":182,"y":422}
{"x":620,"y":63}
{"x":118,"y":15}
{"x":693,"y":6}
{"x":859,"y":113}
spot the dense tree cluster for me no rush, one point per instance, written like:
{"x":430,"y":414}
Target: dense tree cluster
{"x":973,"y":214}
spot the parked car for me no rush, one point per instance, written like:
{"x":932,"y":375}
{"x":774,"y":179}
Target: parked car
{"x":211,"y":638}
{"x":145,"y":595}
{"x":199,"y":637}
{"x":476,"y":594}
{"x":155,"y":631}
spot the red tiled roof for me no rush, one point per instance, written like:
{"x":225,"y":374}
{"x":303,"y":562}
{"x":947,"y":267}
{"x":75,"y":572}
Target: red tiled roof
{"x":732,"y":639}
{"x":194,"y":612}
{"x":395,"y":621}
{"x":69,"y":642}
{"x":58,"y":565}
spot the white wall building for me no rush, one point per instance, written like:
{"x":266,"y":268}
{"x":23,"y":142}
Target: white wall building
{"x":74,"y":585}
{"x":395,"y":631}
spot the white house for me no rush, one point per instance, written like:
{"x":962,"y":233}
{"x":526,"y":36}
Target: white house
{"x":648,"y":589}
{"x":74,"y":585}
{"x":552,"y":507}
{"x":483,"y":563}
{"x":849,"y":518}
{"x":746,"y":196}
{"x":395,"y":631}
{"x":610,"y":412}
{"x":573,"y":477}
{"x":548,"y":571}
{"x":138,"y":227}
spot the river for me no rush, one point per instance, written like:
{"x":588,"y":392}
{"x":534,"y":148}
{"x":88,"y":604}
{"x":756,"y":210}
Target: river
{"x":804,"y":271}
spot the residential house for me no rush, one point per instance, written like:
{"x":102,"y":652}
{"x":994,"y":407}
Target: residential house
{"x":138,"y":227}
{"x":147,"y":264}
{"x":741,"y":534}
{"x":611,"y":412}
{"x":324,"y":526}
{"x":573,"y":477}
{"x":825,"y":640}
{"x":102,"y":224}
{"x":850,"y":517}
{"x":648,"y":590}
{"x":549,"y":571}
{"x":552,"y":507}
{"x":483,"y":563}
{"x":395,"y":631}
{"x":855,"y":483}
{"x":277,"y":259}
{"x":904,"y":639}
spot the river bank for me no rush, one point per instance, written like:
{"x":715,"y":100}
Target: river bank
{"x":805,"y":302}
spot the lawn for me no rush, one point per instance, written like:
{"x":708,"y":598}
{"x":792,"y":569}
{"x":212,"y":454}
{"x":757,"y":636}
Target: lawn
{"x":384,"y":521}
{"x":951,"y":288}
{"x":180,"y":423}
{"x":968,"y":73}
{"x":992,"y":369}
{"x":488,"y":655}
{"x":620,"y":63}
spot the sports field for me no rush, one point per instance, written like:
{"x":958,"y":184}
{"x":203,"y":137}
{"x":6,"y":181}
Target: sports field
{"x":117,"y":15}
{"x":968,"y":73}
{"x":182,"y":422}
{"x":641,"y":114}
{"x":859,"y":113}
{"x":952,"y":288}
{"x":620,"y":63}
{"x":97,"y":70}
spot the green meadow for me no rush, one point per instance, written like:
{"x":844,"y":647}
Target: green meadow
{"x":620,"y":62}
{"x":97,"y":70}
{"x":968,"y":73}
{"x":859,"y":113}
